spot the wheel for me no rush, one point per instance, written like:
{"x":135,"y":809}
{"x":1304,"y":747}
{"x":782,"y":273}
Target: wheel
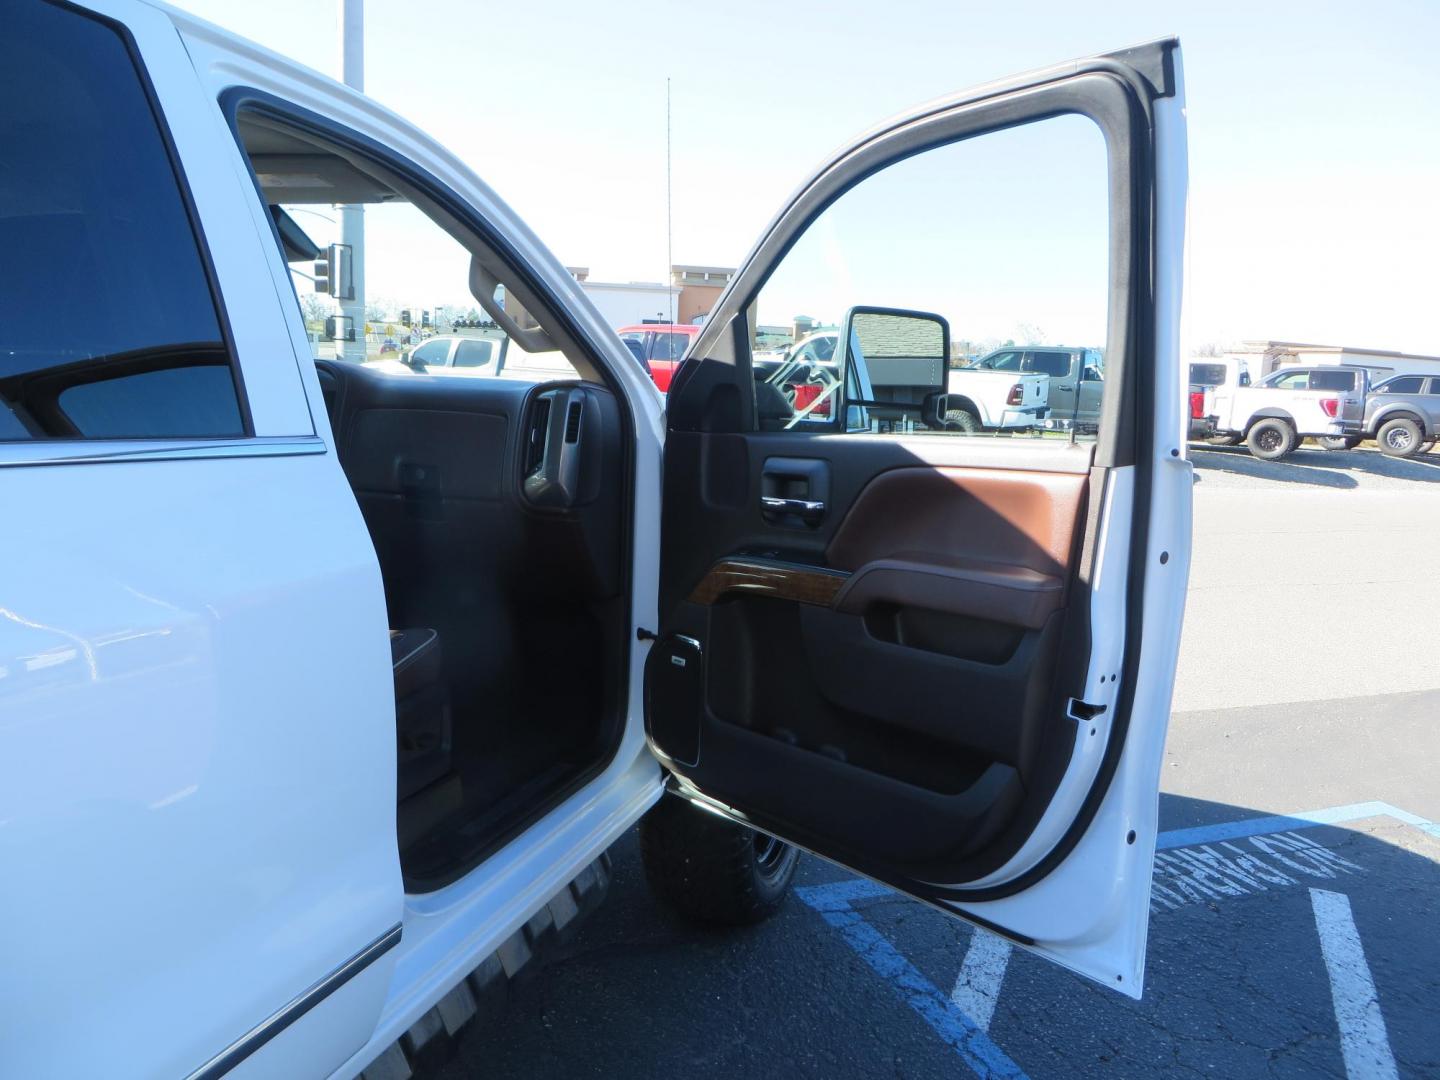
{"x":1226,"y":440}
{"x":1339,"y":442}
{"x":1400,"y":437}
{"x":1270,"y":440}
{"x":1425,"y":447}
{"x":710,"y":869}
{"x":962,"y":420}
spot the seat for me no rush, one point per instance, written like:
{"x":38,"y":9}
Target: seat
{"x":422,"y":709}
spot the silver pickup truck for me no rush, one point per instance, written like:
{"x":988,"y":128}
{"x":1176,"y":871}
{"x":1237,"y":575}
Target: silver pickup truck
{"x":1402,"y":415}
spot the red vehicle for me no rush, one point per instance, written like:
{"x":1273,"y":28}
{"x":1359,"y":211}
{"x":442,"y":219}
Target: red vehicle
{"x":661,"y":345}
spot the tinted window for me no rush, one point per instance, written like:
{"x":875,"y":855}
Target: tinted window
{"x":1406,"y":384}
{"x":107,"y":324}
{"x":1207,"y":374}
{"x":474,"y":353}
{"x":1005,"y":361}
{"x":669,"y":346}
{"x":1054,"y":364}
{"x":1332,"y":380}
{"x":432,"y":352}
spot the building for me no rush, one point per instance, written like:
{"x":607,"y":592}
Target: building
{"x":700,"y":287}
{"x":688,"y":297}
{"x":1263,"y":357}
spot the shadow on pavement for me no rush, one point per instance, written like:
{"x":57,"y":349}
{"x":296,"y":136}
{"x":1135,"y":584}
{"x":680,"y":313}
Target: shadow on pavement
{"x":1323,"y":468}
{"x":1237,"y":981}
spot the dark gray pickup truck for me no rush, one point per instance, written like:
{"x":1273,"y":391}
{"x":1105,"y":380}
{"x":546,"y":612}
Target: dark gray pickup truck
{"x":1402,"y":415}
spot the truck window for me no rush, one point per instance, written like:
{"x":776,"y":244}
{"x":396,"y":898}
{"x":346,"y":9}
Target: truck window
{"x":411,"y":269}
{"x":1293,"y":380}
{"x":669,"y":346}
{"x":983,"y":232}
{"x":1333,"y":380}
{"x":1207,"y":374}
{"x":1406,"y":384}
{"x":1054,"y":364}
{"x":108,"y":325}
{"x":471,"y":354}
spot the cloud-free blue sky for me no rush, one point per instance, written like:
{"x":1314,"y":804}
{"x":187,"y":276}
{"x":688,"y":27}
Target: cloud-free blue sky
{"x":1314,"y":127}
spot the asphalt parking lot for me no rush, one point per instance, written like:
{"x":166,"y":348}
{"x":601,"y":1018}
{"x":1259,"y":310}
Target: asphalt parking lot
{"x":1295,"y":898}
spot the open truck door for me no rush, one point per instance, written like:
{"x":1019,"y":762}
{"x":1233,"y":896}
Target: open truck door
{"x":940,"y":659}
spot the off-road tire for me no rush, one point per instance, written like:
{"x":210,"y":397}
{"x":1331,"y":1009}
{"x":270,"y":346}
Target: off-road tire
{"x":1339,"y":442}
{"x":711,"y":870}
{"x":1400,"y":438}
{"x":962,"y":420}
{"x":1271,"y":439}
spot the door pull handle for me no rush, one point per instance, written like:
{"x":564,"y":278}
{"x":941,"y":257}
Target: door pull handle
{"x":809,"y":509}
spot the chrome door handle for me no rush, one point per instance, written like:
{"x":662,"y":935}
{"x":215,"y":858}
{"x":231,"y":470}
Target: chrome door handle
{"x":805,"y":508}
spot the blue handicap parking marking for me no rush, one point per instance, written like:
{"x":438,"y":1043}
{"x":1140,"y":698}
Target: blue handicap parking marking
{"x":1294,"y":989}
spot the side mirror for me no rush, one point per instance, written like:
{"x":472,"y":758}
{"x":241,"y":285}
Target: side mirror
{"x":898,"y":361}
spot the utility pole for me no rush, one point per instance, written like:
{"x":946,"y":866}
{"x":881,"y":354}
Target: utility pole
{"x":352,"y":216}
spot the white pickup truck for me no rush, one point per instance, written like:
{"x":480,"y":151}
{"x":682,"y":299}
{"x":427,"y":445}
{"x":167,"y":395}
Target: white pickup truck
{"x":992,"y":395}
{"x":325,"y":690}
{"x":1274,"y":415}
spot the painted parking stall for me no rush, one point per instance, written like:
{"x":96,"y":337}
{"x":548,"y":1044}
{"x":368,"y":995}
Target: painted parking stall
{"x":1233,"y":877}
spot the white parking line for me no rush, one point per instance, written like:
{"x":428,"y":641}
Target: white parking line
{"x":1364,"y":1042}
{"x":977,"y":987}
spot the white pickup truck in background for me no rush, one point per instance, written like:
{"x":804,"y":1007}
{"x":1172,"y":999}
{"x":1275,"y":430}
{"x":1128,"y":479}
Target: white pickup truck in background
{"x":1280,"y":410}
{"x":985,"y":399}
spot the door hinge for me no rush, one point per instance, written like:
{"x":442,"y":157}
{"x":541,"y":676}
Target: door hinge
{"x":1082,"y":712}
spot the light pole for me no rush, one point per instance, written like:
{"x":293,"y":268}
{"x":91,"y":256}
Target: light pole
{"x":352,"y":216}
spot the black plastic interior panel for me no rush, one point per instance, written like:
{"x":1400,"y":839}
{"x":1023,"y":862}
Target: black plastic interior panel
{"x":527,"y":601}
{"x":919,"y":729}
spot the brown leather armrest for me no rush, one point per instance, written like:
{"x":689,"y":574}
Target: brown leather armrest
{"x":985,"y":590}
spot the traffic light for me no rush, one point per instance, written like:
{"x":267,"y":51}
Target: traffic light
{"x":334,"y":272}
{"x":424,"y":318}
{"x":405,"y":318}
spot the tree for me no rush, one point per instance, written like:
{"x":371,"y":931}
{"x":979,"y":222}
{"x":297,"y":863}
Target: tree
{"x":1030,"y":333}
{"x":1210,"y":348}
{"x":314,"y":307}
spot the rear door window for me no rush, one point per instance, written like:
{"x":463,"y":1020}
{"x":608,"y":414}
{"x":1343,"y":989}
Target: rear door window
{"x":1406,"y":384}
{"x":108,"y":322}
{"x":1333,"y":380}
{"x":1054,"y":364}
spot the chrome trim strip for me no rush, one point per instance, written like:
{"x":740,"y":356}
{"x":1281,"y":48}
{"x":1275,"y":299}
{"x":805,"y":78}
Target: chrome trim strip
{"x":267,"y":1029}
{"x":108,"y":451}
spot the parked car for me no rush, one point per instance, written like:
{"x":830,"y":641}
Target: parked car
{"x":999,"y":392}
{"x":1276,"y":413}
{"x":662,"y":346}
{"x":1402,"y":415}
{"x":325,"y":690}
{"x":456,"y":354}
{"x":1077,"y":380}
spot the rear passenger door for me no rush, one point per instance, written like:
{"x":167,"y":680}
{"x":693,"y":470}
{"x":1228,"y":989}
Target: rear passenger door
{"x":197,"y":763}
{"x":942,"y":660}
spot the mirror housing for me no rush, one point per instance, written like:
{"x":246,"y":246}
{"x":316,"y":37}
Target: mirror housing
{"x":899,"y":360}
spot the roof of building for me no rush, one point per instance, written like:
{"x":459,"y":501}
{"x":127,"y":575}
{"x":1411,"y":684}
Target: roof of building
{"x":1301,"y":346}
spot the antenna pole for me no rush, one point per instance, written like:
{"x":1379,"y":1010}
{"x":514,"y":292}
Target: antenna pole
{"x":669,"y":233}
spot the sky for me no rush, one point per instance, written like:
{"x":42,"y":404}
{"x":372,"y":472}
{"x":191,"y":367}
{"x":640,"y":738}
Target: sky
{"x":1314,"y":127}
